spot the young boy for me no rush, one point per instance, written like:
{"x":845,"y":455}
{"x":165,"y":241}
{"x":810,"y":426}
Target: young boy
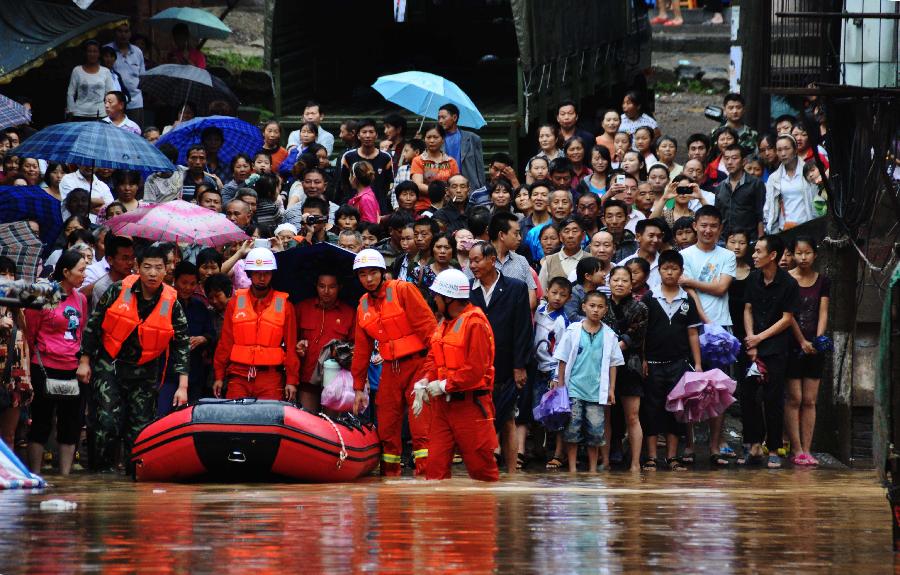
{"x":550,"y":323}
{"x":411,"y":149}
{"x":588,"y":354}
{"x":672,"y":342}
{"x":685,"y":234}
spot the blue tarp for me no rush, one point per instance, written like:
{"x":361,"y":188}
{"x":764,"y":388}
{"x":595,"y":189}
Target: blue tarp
{"x":32,"y":31}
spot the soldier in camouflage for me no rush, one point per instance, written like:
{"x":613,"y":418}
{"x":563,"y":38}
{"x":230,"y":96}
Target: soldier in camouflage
{"x":137,"y":325}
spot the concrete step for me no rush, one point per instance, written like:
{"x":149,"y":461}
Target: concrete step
{"x":693,"y":36}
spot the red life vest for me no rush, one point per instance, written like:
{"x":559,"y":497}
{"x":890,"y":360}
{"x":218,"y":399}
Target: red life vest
{"x":385,"y":320}
{"x":258,"y":338}
{"x":154,"y":333}
{"x":448,"y":344}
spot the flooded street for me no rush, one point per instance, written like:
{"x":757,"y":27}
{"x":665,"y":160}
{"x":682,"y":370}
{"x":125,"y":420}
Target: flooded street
{"x":698,"y":522}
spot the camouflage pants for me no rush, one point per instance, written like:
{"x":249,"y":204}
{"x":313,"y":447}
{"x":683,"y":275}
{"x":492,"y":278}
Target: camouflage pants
{"x":123,"y":401}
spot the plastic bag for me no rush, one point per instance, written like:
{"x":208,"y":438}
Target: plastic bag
{"x":553,"y":411}
{"x":338,"y":394}
{"x":718,"y":348}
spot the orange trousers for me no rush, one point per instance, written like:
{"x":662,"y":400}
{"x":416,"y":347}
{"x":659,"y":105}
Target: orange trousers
{"x":266,"y":385}
{"x":465,"y":425}
{"x":392,"y":401}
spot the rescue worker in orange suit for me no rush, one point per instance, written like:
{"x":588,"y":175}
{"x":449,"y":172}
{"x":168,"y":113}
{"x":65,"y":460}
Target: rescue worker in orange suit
{"x":460,"y":378}
{"x":137,"y":327}
{"x":257,"y":351}
{"x":394,"y":314}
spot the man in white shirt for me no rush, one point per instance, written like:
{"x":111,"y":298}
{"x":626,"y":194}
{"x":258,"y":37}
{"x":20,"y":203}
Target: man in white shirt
{"x":709,"y":270}
{"x":130,"y":65}
{"x":649,"y":236}
{"x":84,"y":178}
{"x":312,"y":113}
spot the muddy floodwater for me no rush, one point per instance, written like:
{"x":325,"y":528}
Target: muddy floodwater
{"x":747,"y":521}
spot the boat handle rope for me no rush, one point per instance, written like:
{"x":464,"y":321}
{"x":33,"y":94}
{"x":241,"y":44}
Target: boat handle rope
{"x":343,"y":454}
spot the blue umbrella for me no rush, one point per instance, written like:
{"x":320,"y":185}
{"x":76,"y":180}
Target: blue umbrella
{"x":13,"y":113}
{"x":22,"y":203}
{"x":299,"y":266}
{"x":239,"y":137}
{"x":423,"y":93}
{"x":97,"y":144}
{"x":200,"y":23}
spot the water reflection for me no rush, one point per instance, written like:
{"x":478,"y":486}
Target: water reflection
{"x":787,"y":522}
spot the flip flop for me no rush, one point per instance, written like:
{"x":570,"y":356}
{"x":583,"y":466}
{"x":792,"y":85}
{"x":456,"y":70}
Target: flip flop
{"x":555,"y":463}
{"x":774,"y":462}
{"x":659,"y":20}
{"x":672,"y":23}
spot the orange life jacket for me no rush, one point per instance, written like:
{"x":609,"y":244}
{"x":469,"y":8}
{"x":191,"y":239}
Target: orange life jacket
{"x":386,"y":322}
{"x":448,"y":344}
{"x":258,"y":338}
{"x":154,"y":333}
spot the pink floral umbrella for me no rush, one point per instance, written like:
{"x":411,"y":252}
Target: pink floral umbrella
{"x":699,"y":396}
{"x":178,"y":221}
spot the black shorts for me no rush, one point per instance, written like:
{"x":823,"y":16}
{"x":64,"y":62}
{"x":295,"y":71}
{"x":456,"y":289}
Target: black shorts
{"x":662,"y":377}
{"x":803,"y":366}
{"x":628,"y":383}
{"x":68,"y":410}
{"x":505,"y":396}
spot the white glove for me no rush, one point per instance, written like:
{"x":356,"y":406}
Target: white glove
{"x":436,"y":388}
{"x":420,"y":396}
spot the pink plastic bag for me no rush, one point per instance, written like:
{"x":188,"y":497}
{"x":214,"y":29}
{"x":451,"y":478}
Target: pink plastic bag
{"x":338,"y":394}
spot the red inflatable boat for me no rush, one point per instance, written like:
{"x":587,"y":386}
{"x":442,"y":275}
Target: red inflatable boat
{"x":253,"y":440}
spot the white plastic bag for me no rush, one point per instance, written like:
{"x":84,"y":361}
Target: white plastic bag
{"x":338,"y":393}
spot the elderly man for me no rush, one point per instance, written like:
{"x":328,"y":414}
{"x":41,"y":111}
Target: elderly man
{"x":453,"y":214}
{"x":238,"y":213}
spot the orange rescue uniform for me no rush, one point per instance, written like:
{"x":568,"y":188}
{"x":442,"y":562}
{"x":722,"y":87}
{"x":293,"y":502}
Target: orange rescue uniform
{"x":398,"y":318}
{"x":259,"y":339}
{"x":462,"y":353}
{"x":154,"y":333}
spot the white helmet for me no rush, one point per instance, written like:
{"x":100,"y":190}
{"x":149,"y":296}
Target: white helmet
{"x":451,"y":283}
{"x":369,"y":258}
{"x":260,"y":260}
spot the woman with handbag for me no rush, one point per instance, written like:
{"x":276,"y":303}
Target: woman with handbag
{"x":54,"y":338}
{"x":15,"y":386}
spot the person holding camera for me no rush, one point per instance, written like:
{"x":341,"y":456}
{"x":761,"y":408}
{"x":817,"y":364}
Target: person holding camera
{"x":257,"y":350}
{"x":682,"y":190}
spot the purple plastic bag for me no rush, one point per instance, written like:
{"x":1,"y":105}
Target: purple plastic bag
{"x":718,"y":348}
{"x":338,"y":394}
{"x":553,"y":411}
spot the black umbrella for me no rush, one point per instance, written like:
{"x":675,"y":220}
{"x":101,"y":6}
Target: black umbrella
{"x":299,"y":266}
{"x":175,"y":84}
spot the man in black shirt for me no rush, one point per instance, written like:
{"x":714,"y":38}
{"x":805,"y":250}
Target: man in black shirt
{"x":740,"y":196}
{"x":772,"y":296}
{"x":381,"y":162}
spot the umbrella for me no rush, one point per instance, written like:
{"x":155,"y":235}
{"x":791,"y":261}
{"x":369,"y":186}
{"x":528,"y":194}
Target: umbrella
{"x":239,"y":136}
{"x":200,"y":23}
{"x":423,"y":93}
{"x":18,"y":243}
{"x":22,"y":203}
{"x":699,"y":396}
{"x":175,"y":84}
{"x":96,"y":144}
{"x":299,"y":266}
{"x":13,"y":113}
{"x":178,"y":221}
{"x":718,"y":347}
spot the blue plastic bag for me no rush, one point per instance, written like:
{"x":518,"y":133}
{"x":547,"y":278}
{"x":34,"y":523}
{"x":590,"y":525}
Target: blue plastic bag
{"x":553,"y":411}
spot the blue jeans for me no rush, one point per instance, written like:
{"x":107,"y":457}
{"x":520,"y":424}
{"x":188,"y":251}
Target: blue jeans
{"x":587,"y":424}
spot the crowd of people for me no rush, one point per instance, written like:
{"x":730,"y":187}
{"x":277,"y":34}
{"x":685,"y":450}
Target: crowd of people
{"x":596,"y":269}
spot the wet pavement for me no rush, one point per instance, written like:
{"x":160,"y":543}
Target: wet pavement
{"x":747,"y":521}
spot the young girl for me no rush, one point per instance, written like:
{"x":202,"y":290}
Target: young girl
{"x":804,"y":372}
{"x":268,"y":209}
{"x":361,"y":177}
{"x":633,"y":116}
{"x":681,"y":207}
{"x":601,"y":165}
{"x":633,"y":164}
{"x":640,"y":271}
{"x":548,"y":145}
{"x":538,"y":169}
{"x":610,"y":123}
{"x":628,"y":319}
{"x":643,"y":144}
{"x":308,"y":134}
{"x":576,"y":150}
{"x":621,"y":144}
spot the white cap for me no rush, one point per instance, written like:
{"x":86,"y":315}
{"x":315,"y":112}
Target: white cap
{"x":260,"y":260}
{"x":369,"y":258}
{"x":286,"y":227}
{"x":451,"y":283}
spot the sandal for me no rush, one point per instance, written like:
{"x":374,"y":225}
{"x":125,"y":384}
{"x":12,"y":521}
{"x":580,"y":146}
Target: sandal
{"x":649,"y":465}
{"x":555,"y":463}
{"x":718,"y":460}
{"x":659,"y":20}
{"x":727,"y":452}
{"x":521,"y":461}
{"x":672,"y":23}
{"x":774,"y":462}
{"x":687,"y":457}
{"x":675,"y":465}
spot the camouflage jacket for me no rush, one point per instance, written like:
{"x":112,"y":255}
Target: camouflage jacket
{"x":179,"y":347}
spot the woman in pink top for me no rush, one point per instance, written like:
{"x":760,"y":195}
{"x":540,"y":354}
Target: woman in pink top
{"x":362,"y":174}
{"x":54,"y":338}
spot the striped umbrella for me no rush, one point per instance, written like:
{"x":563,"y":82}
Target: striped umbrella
{"x":178,"y":221}
{"x":96,"y":144}
{"x":13,"y":113}
{"x":18,"y":243}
